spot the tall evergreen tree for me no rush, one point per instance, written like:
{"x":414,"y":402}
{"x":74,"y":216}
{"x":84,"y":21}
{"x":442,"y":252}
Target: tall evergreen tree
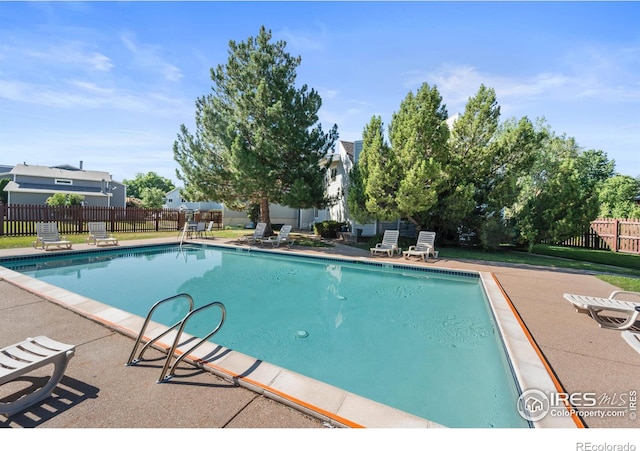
{"x":257,"y":138}
{"x":419,"y":135}
{"x":379,"y":172}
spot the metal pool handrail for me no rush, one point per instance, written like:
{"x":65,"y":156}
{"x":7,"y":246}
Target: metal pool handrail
{"x":180,"y":325}
{"x":189,"y":315}
{"x":132,"y":359}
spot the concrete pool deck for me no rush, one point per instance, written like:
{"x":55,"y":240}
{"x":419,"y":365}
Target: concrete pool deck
{"x":98,"y":391}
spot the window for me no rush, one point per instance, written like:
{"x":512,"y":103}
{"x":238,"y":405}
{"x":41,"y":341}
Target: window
{"x":63,"y":182}
{"x":334,"y":173}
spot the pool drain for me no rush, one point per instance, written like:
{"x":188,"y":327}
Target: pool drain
{"x":302,"y":334}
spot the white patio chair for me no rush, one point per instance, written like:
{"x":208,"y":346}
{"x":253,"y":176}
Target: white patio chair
{"x":22,"y":358}
{"x":389,"y":244}
{"x":257,"y":234}
{"x":47,"y":235}
{"x":98,"y":234}
{"x":282,"y":237}
{"x":424,"y":246}
{"x":627,"y":310}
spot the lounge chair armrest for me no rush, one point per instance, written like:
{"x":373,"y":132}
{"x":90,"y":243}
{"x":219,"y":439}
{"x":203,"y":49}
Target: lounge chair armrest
{"x":411,"y":248}
{"x":617,"y":292}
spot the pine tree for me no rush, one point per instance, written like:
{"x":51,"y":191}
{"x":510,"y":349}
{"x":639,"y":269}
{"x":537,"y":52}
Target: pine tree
{"x":257,"y":139}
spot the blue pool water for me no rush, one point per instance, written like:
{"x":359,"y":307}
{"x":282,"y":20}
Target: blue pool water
{"x":422,"y":342}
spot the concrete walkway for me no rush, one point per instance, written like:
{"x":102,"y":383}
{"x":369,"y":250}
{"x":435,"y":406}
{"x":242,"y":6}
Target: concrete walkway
{"x":98,"y":391}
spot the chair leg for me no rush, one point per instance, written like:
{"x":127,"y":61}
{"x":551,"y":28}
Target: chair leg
{"x":60,"y":365}
{"x":607,"y":324}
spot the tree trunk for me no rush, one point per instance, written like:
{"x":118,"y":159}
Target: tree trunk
{"x":415,"y":223}
{"x":265,"y":217}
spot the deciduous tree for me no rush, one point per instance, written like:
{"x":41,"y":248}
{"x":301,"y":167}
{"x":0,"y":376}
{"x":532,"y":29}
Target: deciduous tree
{"x":62,"y":199}
{"x":617,"y":197}
{"x":152,"y":197}
{"x":556,"y":198}
{"x":141,"y":181}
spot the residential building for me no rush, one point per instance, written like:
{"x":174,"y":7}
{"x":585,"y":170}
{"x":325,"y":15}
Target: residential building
{"x":344,"y":156}
{"x":342,"y":159}
{"x":33,"y":185}
{"x":279,"y":214}
{"x":174,"y":200}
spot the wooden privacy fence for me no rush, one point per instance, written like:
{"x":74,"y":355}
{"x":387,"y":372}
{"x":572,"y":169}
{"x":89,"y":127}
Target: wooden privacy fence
{"x":621,"y":235}
{"x":20,"y":220}
{"x":588,"y":239}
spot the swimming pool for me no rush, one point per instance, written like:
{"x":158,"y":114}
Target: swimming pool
{"x":423,"y":347}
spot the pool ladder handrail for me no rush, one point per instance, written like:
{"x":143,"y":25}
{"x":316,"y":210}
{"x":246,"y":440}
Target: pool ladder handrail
{"x":185,"y":232}
{"x":180,"y":325}
{"x":132,"y":358}
{"x":163,"y":376}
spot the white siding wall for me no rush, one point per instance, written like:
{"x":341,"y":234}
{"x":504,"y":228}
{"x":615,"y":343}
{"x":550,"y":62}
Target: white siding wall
{"x":279,"y":215}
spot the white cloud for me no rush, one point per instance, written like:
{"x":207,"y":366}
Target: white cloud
{"x":588,"y":72}
{"x":149,"y":58}
{"x":71,"y":54}
{"x":100,"y":62}
{"x":118,"y":150}
{"x":326,"y":93}
{"x":74,"y":94}
{"x":304,"y":41}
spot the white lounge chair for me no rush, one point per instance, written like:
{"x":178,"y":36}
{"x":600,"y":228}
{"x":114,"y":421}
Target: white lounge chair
{"x":47,"y":235}
{"x":633,"y":338}
{"x":201,"y":228}
{"x":626,"y":311}
{"x":209,"y":229}
{"x":22,"y":358}
{"x":424,"y":246}
{"x":98,"y":234}
{"x":389,"y":244}
{"x":282,"y":237}
{"x":257,"y":234}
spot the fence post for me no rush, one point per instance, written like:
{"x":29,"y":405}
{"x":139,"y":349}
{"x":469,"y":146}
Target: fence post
{"x":3,"y":212}
{"x":79,"y":218}
{"x":616,"y":234}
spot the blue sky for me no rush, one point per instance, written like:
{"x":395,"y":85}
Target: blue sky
{"x":110,"y":83}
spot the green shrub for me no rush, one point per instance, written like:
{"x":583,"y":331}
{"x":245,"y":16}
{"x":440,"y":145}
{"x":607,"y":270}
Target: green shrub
{"x":494,"y":233}
{"x":328,"y":229}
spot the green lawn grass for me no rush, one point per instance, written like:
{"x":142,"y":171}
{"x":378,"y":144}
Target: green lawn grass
{"x":233,"y":233}
{"x":620,"y":259}
{"x":606,"y":262}
{"x":624,"y":283}
{"x":583,"y":261}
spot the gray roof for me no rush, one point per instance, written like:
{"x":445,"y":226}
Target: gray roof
{"x":4,"y":169}
{"x":60,"y":172}
{"x":48,"y":188}
{"x":348,"y":147}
